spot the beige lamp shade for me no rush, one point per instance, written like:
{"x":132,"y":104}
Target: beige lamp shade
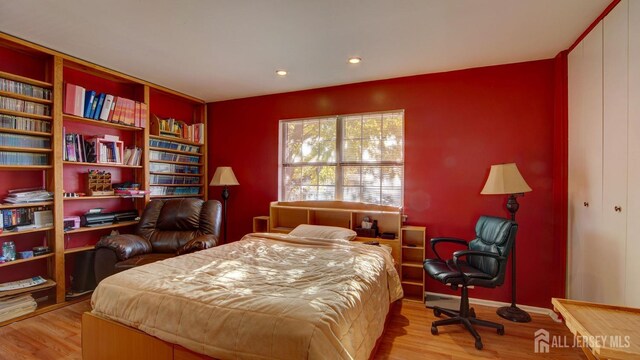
{"x":505,"y":179}
{"x":224,"y":177}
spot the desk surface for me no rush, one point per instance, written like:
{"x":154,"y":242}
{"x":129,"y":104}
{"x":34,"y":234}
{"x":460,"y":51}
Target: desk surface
{"x":610,"y":332}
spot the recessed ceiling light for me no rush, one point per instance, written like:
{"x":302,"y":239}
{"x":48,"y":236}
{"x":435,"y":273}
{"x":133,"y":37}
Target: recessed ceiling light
{"x":281,"y":72}
{"x":354,"y":60}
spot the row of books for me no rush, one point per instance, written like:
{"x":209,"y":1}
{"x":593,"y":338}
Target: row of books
{"x":23,"y":158}
{"x":161,"y":155}
{"x":170,"y":190}
{"x":165,"y":144}
{"x":16,"y":217}
{"x":106,"y":107}
{"x":12,"y":104}
{"x":23,"y":196}
{"x":24,"y":89}
{"x":174,"y":168}
{"x":23,"y":123}
{"x":132,"y":156}
{"x":178,"y":128}
{"x":77,"y":149}
{"x":109,"y":151}
{"x":174,"y":179}
{"x":24,"y":141}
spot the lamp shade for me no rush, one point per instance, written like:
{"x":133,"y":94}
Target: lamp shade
{"x":505,"y":179}
{"x":224,"y":177}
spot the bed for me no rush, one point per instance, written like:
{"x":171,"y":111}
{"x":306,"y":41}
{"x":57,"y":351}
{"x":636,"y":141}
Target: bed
{"x":268,"y":296}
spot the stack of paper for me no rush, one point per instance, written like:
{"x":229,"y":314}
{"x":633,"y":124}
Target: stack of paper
{"x":14,"y":306}
{"x":28,"y":195}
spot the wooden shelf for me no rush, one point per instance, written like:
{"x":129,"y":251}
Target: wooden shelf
{"x":413,"y":247}
{"x":24,"y":132}
{"x":101,"y":164}
{"x":24,"y":149}
{"x":412,"y":282}
{"x":25,"y":205}
{"x":24,"y":114}
{"x":57,"y":69}
{"x":22,"y":261}
{"x":101,"y":123}
{"x":44,"y":286}
{"x":176,"y":196}
{"x":175,"y":139}
{"x":174,"y":173}
{"x":79,"y":249}
{"x":174,"y":151}
{"x":25,"y":167}
{"x":25,"y":80}
{"x":412,"y":264}
{"x":80,"y":198}
{"x":101,"y":227}
{"x":175,"y":162}
{"x":28,"y":231}
{"x":177,"y":185}
{"x":25,"y":97}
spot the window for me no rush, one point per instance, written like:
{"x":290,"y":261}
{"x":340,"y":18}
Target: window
{"x":349,"y":157}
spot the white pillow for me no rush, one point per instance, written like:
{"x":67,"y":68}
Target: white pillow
{"x":323,"y":232}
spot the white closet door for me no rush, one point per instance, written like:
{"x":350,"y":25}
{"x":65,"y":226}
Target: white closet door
{"x":576,"y":177}
{"x":632,"y":289}
{"x":612,"y":250}
{"x":585,"y":172}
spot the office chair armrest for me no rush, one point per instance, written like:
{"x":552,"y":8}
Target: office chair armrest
{"x":465,"y":253}
{"x":438,"y":240}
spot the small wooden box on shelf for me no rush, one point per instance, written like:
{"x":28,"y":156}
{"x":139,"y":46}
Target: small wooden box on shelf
{"x":413,"y":255}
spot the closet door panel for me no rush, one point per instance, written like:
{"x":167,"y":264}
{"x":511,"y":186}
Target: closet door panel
{"x":577,"y":192}
{"x":586,"y":177}
{"x":632,"y":288}
{"x":612,"y":249}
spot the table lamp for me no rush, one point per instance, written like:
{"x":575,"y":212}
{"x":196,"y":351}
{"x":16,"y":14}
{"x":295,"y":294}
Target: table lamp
{"x":505,"y":179}
{"x":224,"y":177}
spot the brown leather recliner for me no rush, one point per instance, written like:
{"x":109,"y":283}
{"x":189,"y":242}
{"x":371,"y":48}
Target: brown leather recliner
{"x":167,"y":228}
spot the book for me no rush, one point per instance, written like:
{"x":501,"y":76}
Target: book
{"x":106,"y":108}
{"x":79,"y":104}
{"x":70,"y":98}
{"x":88,"y":100}
{"x":98,"y":109}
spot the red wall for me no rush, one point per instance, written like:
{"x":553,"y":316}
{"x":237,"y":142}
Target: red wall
{"x":456,"y":125}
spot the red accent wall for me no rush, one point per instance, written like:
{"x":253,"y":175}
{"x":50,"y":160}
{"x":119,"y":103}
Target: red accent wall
{"x":456,"y":125}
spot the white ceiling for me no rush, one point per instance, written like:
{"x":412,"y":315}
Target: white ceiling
{"x":225,"y":49}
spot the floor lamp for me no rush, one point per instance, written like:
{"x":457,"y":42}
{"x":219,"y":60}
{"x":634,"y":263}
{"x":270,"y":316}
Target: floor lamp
{"x":224,"y":177}
{"x":505,"y":179}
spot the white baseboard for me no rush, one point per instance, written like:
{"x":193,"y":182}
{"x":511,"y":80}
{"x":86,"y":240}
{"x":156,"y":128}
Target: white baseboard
{"x":497,"y":304}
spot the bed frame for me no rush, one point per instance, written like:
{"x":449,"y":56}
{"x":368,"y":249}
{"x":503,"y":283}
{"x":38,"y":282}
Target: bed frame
{"x":104,"y":339}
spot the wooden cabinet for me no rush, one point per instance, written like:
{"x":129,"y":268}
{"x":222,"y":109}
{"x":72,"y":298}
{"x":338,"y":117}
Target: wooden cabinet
{"x":413,"y":255}
{"x":604,"y":152}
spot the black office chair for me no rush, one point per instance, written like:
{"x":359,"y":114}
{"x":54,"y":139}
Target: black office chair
{"x":486,"y":262}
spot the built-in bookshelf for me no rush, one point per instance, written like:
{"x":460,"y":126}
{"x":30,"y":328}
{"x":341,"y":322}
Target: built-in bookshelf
{"x":55,"y":112}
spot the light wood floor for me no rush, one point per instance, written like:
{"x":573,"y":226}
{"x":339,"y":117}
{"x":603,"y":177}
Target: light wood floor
{"x":56,"y":335}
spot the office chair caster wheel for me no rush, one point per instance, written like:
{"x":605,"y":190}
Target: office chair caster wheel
{"x":479,"y":344}
{"x":472,"y":313}
{"x":437,"y":312}
{"x":501,"y":331}
{"x":434,"y":330}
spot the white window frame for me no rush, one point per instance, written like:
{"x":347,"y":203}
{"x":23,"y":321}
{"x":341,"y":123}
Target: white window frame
{"x":339,"y":145}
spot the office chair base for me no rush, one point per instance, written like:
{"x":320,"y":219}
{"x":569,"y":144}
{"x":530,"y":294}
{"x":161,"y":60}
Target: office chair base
{"x":513,"y":313}
{"x":468,"y":322}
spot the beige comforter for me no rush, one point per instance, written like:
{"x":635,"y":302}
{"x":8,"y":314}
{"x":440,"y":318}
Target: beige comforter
{"x":267,"y":296}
